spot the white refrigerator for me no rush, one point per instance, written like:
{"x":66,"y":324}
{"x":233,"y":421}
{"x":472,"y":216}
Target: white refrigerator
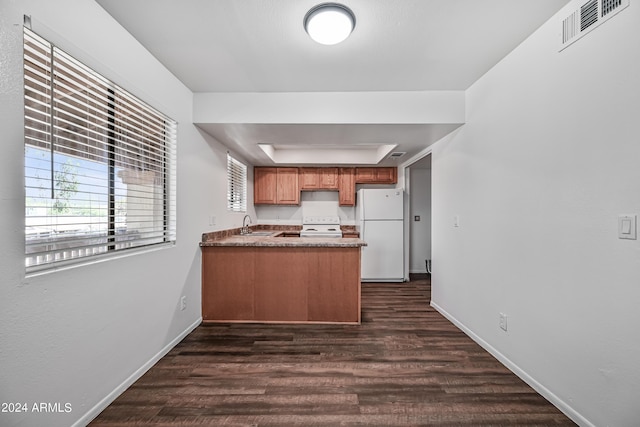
{"x":380,"y":221}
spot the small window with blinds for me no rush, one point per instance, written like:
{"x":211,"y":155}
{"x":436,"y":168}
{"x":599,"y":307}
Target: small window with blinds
{"x":99,"y":163}
{"x":236,"y":185}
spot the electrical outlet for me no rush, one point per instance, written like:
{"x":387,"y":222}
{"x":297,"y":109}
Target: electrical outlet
{"x":183,"y":303}
{"x":503,"y":321}
{"x":212,"y":220}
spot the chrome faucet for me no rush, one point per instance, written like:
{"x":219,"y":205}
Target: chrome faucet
{"x":245,"y":227}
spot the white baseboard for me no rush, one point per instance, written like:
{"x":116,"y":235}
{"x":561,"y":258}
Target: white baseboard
{"x":100,"y":406}
{"x":545,"y":392}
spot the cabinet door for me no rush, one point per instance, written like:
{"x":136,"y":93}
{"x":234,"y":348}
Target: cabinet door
{"x":365,"y":175}
{"x":288,"y":189}
{"x":281,"y":284}
{"x":334,"y":285}
{"x":309,"y":179}
{"x":328,"y":178}
{"x":264,"y":185}
{"x":387,"y":175}
{"x":347,"y":187}
{"x":228,"y":283}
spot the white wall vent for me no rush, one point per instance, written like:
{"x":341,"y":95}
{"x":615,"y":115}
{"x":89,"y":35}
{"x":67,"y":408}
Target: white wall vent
{"x":397,"y":154}
{"x":587,"y":16}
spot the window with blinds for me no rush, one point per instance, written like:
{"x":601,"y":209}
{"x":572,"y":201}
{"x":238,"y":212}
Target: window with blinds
{"x":99,"y":163}
{"x":236,"y":185}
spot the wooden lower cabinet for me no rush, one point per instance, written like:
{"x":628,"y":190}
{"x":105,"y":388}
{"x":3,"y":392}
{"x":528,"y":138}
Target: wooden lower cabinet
{"x":281,"y":284}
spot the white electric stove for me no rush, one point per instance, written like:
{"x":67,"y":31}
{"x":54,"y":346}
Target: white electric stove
{"x":321,"y":226}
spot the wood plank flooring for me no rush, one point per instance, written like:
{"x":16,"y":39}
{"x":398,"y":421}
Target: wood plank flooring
{"x":406,"y":365}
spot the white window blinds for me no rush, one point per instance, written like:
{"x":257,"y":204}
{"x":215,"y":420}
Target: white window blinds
{"x":99,"y":163}
{"x":237,"y":185}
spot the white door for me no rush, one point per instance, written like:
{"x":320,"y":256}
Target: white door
{"x":382,"y":258}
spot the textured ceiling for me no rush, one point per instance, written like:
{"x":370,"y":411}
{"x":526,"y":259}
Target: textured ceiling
{"x":261,"y":46}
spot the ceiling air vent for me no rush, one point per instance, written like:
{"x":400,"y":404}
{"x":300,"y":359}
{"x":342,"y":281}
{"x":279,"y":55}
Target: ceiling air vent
{"x":610,"y":6}
{"x":397,"y":154}
{"x":587,"y":16}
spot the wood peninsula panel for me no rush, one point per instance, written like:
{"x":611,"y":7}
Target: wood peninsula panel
{"x":228,"y":277}
{"x":281,"y":284}
{"x":282,"y":276}
{"x":332,"y":294}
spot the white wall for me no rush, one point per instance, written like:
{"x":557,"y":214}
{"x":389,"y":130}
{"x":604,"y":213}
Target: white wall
{"x":538,"y":175}
{"x":320,"y":203}
{"x":420,"y":231}
{"x":77,"y":336}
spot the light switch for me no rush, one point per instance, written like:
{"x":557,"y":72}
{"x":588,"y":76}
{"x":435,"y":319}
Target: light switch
{"x":627,"y":227}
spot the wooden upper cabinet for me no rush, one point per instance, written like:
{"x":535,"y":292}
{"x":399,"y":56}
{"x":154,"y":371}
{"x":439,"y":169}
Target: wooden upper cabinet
{"x":265,"y":186}
{"x":347,"y":187}
{"x":385,"y":175}
{"x":318,"y":178}
{"x":309,"y":179}
{"x":282,"y":186}
{"x":328,"y":178}
{"x":275,"y":186}
{"x":288,"y":189}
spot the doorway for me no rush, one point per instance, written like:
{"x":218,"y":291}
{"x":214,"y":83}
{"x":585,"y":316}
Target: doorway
{"x":420,"y":216}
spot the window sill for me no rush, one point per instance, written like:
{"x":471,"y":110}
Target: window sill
{"x":71,"y":264}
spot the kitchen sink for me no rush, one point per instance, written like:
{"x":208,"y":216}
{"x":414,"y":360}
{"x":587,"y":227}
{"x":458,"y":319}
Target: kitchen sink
{"x":258,"y":233}
{"x":285,"y":234}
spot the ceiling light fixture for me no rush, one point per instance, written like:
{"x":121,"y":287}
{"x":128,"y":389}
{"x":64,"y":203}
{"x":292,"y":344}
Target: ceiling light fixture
{"x":329,"y":23}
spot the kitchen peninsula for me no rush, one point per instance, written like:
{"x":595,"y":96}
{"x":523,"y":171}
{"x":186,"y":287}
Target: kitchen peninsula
{"x":272,"y":275}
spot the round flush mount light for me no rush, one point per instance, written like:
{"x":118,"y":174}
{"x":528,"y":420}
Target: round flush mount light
{"x":329,"y":23}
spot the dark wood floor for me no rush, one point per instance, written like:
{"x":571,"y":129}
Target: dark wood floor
{"x":405,"y":365}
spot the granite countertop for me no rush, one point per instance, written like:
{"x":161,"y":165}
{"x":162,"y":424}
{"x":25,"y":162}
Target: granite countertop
{"x":278,"y":237}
